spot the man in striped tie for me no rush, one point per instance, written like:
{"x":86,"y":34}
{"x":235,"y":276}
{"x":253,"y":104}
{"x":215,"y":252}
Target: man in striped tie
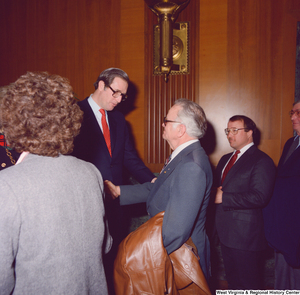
{"x":245,"y":181}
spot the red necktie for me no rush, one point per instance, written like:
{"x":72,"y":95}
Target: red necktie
{"x":230,"y":164}
{"x":105,"y":129}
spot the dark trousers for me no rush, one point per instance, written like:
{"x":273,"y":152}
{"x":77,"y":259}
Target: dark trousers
{"x":117,"y":229}
{"x":243,"y":269}
{"x":286,"y":277}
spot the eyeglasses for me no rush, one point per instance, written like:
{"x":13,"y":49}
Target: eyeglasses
{"x":296,"y":112}
{"x":233,"y":131}
{"x":169,"y":121}
{"x":117,"y":93}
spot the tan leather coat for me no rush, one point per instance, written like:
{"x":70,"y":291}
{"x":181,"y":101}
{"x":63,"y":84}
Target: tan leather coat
{"x":142,"y":265}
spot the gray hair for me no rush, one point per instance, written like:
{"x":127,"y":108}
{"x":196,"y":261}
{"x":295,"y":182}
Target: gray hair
{"x":192,"y":116}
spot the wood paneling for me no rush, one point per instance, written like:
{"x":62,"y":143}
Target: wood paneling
{"x":214,"y":75}
{"x":247,"y":58}
{"x":77,"y":40}
{"x":131,"y":51}
{"x":242,"y":61}
{"x":73,"y":39}
{"x":254,"y":69}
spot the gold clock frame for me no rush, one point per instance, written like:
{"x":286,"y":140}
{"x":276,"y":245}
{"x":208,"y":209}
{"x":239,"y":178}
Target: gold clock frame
{"x":180,"y":49}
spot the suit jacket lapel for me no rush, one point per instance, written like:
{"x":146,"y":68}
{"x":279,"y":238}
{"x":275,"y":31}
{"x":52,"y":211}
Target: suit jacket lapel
{"x":291,"y":159}
{"x":90,"y":120}
{"x":170,"y":168}
{"x":113,"y":130}
{"x":240,"y":163}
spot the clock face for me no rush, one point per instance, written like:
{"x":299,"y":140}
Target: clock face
{"x":177,"y":47}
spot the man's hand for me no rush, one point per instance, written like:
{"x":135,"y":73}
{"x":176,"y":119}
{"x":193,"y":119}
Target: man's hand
{"x":219,"y":195}
{"x":112,"y":189}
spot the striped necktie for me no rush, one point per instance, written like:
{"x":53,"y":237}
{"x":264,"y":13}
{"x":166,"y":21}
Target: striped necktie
{"x":230,"y":164}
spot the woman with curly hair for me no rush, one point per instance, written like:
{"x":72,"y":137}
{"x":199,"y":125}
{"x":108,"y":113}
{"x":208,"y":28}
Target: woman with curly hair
{"x":52,"y":224}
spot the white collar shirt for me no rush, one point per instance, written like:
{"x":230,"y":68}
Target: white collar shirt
{"x":95,"y":109}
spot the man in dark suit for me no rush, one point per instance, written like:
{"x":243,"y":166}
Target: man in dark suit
{"x":90,"y":145}
{"x":182,"y":189}
{"x":104,"y":140}
{"x":112,"y":156}
{"x":241,"y":194}
{"x":281,"y":216}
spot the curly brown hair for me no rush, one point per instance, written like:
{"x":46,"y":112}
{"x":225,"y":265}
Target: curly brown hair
{"x":3,"y":90}
{"x":40,"y":115}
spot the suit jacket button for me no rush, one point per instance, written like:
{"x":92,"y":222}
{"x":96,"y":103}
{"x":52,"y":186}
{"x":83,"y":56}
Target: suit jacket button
{"x":3,"y":165}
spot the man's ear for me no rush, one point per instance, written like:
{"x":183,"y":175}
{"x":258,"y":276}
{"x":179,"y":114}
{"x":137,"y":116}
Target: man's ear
{"x":250,"y":133}
{"x":181,"y":130}
{"x":101,"y":85}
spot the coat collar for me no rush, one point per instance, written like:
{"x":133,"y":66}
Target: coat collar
{"x":293,"y":156}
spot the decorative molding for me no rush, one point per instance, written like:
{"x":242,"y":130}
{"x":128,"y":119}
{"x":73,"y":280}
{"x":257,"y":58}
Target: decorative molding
{"x":159,"y":95}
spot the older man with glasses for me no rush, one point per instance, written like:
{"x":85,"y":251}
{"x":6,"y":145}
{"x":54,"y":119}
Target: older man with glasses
{"x":282,"y":218}
{"x":245,"y":180}
{"x":182,"y":189}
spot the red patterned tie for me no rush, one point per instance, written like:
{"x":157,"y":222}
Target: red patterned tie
{"x":105,"y":129}
{"x":230,"y":164}
{"x":2,"y":141}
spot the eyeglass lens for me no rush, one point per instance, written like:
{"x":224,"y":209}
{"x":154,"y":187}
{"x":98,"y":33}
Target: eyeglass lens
{"x":117,"y":93}
{"x":233,"y":131}
{"x":296,"y":112}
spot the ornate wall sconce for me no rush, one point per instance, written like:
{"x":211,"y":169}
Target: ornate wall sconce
{"x":171,"y":46}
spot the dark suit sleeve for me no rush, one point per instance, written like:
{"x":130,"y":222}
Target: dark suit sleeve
{"x":188,"y":190}
{"x":133,"y":163}
{"x":253,"y":188}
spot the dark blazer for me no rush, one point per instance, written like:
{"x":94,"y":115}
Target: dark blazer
{"x":90,"y":146}
{"x":247,"y":188}
{"x":282,"y":218}
{"x":182,"y":190}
